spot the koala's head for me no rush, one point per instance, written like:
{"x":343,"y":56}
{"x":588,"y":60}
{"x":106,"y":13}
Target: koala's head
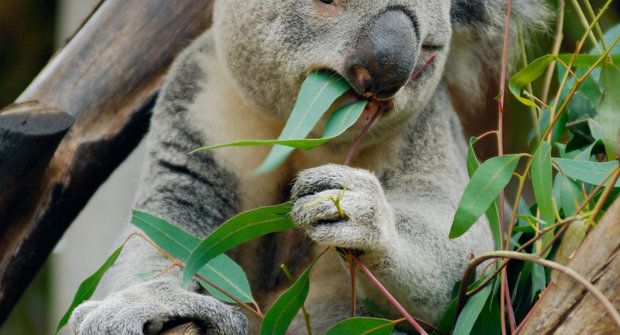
{"x":269,"y":46}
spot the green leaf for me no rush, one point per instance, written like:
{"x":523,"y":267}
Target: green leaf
{"x":536,"y":68}
{"x":447,"y":320}
{"x":362,"y":326}
{"x":539,"y":280}
{"x":493,"y":212}
{"x":542,"y":181}
{"x":88,"y":287}
{"x":221,"y":271}
{"x":317,"y":94}
{"x":580,"y":107}
{"x":590,"y":172}
{"x":484,"y":186}
{"x":238,"y":230}
{"x":283,"y":311}
{"x":338,"y":123}
{"x":471,"y":311}
{"x":489,"y":321}
{"x":609,"y":109}
{"x":567,"y":194}
{"x":472,"y":161}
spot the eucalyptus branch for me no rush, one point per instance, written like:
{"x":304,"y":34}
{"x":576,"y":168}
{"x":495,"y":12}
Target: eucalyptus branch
{"x":609,"y":307}
{"x":557,"y":43}
{"x":599,"y":205}
{"x":463,"y":289}
{"x":597,"y":27}
{"x":578,"y":81}
{"x":389,"y":296}
{"x":528,"y":89}
{"x":500,"y":148}
{"x":584,"y":22}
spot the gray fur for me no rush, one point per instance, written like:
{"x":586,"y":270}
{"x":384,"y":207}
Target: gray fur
{"x":239,"y":81}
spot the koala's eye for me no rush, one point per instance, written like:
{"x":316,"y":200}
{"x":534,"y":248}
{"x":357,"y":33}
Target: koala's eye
{"x":328,"y":2}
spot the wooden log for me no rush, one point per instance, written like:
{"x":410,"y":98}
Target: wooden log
{"x":106,"y":77}
{"x":566,"y":307}
{"x":29,"y":136}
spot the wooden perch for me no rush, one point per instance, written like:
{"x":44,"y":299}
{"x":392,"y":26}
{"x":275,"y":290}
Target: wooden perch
{"x":566,"y":307}
{"x":106,"y":77}
{"x":29,"y":136}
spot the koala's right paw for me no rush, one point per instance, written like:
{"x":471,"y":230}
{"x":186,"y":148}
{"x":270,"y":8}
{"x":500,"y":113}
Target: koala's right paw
{"x":146,"y":307}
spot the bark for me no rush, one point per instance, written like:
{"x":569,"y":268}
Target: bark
{"x":106,"y":77}
{"x":566,"y":307}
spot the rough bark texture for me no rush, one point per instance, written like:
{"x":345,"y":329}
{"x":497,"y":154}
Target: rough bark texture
{"x":106,"y":77}
{"x":566,"y":307}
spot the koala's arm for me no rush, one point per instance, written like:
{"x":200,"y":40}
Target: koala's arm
{"x":401,"y":221}
{"x":191,"y":191}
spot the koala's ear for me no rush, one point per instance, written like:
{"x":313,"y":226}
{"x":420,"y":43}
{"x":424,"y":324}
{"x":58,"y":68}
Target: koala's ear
{"x":477,"y":39}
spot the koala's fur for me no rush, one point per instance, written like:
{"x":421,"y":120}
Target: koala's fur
{"x":239,"y":81}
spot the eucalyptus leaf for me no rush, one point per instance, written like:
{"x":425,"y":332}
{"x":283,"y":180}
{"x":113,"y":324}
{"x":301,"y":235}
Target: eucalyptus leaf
{"x":283,"y":311}
{"x":338,"y":123}
{"x":221,"y":271}
{"x":88,"y":286}
{"x":609,"y":109}
{"x":362,"y":326}
{"x":318,"y":92}
{"x":471,"y":312}
{"x":489,"y":321}
{"x":447,"y":320}
{"x":580,"y":107}
{"x":236,"y":231}
{"x":593,"y":173}
{"x":542,"y":181}
{"x":492,"y":212}
{"x":567,"y":194}
{"x":483,"y":188}
{"x":539,"y":281}
{"x":536,"y":68}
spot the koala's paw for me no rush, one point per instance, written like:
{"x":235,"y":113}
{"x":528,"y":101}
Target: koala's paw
{"x":145,"y":309}
{"x":368,"y":218}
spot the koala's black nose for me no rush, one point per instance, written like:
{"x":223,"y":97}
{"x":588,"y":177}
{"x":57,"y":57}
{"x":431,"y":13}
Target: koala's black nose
{"x":384,"y":57}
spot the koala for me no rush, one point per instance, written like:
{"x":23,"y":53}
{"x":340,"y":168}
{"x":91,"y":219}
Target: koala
{"x":239,"y":80}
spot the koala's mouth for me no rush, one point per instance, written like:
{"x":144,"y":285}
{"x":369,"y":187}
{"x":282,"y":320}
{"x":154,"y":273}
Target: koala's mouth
{"x":374,"y":106}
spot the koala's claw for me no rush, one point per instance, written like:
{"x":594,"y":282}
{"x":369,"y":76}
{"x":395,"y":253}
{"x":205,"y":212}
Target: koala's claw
{"x":146,"y":307}
{"x":367,"y":217}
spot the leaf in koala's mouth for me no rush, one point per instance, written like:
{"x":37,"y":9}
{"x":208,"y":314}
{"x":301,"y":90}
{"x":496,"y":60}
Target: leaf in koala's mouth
{"x":320,"y":93}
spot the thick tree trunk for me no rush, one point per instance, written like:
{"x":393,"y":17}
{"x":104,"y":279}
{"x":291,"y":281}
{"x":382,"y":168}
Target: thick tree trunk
{"x":566,"y":307}
{"x":106,"y":78}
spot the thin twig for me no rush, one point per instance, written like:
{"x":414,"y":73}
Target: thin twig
{"x":609,"y":307}
{"x":359,"y":138}
{"x":353,"y":290}
{"x":599,"y":205}
{"x":584,"y":22}
{"x":557,"y":43}
{"x":389,"y":296}
{"x":500,"y":151}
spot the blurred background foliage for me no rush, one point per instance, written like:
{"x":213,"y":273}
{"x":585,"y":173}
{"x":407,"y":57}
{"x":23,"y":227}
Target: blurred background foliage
{"x":28,"y":38}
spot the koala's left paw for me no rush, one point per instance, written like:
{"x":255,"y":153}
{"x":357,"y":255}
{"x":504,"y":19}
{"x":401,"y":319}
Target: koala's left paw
{"x":368,"y":217}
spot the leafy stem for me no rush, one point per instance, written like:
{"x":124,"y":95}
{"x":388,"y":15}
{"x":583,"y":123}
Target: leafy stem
{"x":609,"y":307}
